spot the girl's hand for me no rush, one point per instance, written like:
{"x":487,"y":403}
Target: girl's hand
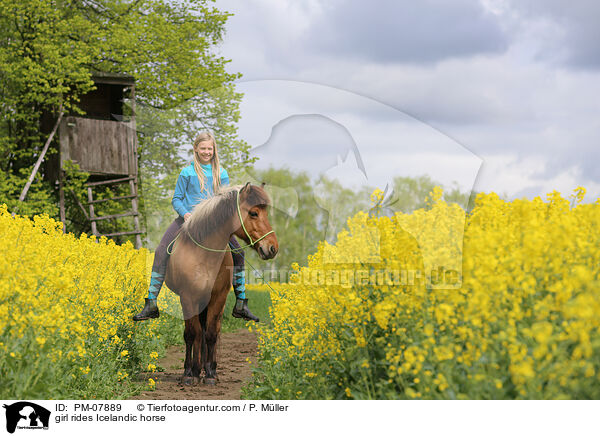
{"x":187,"y":216}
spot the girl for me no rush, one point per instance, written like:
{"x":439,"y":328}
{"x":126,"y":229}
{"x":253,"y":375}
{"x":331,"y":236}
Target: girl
{"x":200,"y":180}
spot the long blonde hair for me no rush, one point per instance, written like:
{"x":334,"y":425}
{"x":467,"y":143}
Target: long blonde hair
{"x":214,"y":161}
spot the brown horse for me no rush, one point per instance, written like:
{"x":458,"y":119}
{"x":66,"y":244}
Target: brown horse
{"x":200,"y":268}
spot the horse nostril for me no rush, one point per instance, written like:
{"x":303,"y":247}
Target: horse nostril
{"x":272,"y":249}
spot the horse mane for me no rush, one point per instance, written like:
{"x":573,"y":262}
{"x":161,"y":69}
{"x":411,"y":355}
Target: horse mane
{"x":210,"y":214}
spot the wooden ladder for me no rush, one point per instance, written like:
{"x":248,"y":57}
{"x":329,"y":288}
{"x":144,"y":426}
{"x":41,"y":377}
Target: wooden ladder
{"x":134,"y":208}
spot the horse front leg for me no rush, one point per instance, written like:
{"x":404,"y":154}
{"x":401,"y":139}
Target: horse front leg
{"x":211,"y":335}
{"x":191,"y":334}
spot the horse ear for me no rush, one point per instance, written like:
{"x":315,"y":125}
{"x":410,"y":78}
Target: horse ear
{"x":245,"y":188}
{"x":262,"y":185}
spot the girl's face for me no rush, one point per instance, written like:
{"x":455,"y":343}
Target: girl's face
{"x":205,"y":151}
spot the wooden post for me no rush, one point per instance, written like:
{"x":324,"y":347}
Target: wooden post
{"x":92,"y":216}
{"x":134,"y":171}
{"x":136,"y":220}
{"x":41,"y":156}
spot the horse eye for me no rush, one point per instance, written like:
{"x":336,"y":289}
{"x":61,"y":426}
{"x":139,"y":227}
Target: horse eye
{"x":253,"y":214}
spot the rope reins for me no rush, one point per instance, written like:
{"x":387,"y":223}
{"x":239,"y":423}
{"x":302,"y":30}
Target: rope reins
{"x":233,"y":250}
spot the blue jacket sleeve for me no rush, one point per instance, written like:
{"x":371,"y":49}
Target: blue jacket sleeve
{"x":179,"y":195}
{"x":224,"y":177}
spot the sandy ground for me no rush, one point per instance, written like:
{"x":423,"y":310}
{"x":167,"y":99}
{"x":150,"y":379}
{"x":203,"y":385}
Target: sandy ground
{"x":233,"y":370}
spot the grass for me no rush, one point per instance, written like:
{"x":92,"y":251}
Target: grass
{"x":258,"y":303}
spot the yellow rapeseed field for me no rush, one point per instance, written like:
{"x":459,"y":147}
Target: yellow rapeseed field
{"x":65,"y":313}
{"x":500,"y":303}
{"x":517,"y":314}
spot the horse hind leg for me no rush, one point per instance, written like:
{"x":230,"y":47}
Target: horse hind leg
{"x":210,"y":364}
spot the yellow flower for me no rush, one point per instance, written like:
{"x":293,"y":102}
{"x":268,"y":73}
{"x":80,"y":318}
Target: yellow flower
{"x":377,"y":196}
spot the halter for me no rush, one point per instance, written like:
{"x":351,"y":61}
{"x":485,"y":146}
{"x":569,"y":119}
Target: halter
{"x":233,"y":250}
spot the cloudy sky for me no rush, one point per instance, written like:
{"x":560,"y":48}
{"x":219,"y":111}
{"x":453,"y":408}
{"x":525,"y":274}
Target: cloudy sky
{"x":497,"y":95}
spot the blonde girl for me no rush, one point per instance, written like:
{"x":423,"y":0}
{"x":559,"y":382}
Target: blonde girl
{"x":196,"y":182}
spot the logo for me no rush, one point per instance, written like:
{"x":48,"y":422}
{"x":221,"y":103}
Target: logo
{"x":26,"y":415}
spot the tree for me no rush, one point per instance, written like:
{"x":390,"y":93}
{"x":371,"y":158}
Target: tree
{"x":410,"y":193}
{"x":48,"y":51}
{"x":338,"y":204}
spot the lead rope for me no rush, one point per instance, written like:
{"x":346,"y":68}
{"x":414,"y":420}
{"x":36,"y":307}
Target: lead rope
{"x":261,"y":275}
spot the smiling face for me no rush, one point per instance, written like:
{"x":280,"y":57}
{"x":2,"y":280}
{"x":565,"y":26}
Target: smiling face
{"x":205,"y":151}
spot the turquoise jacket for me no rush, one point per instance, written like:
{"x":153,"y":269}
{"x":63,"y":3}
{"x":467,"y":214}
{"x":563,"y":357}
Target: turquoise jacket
{"x":187,"y":191}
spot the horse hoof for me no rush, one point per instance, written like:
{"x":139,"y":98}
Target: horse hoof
{"x":210,"y":381}
{"x":190,"y":381}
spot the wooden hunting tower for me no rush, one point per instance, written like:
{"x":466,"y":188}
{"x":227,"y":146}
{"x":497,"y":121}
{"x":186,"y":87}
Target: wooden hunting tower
{"x":103,"y":143}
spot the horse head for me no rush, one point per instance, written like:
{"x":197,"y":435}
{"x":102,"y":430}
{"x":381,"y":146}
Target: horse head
{"x":254,"y":205}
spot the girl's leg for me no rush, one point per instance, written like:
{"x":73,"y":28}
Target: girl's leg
{"x":240,"y":310}
{"x":159,"y":268}
{"x":239,"y":269}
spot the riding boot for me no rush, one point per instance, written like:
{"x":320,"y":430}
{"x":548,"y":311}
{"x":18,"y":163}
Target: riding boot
{"x":240,"y":310}
{"x":150,"y":310}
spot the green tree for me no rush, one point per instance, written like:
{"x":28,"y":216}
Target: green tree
{"x":410,"y":193}
{"x":48,"y":51}
{"x":338,"y":204}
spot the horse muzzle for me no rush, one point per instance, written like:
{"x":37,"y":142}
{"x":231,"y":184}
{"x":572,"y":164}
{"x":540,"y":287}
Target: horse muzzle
{"x":267,"y":250}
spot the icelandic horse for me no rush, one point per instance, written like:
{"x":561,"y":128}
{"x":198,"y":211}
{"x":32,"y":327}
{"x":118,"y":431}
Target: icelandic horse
{"x":200,"y":267}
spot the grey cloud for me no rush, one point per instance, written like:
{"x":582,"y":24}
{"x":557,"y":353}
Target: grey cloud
{"x":576,"y":40}
{"x":585,"y":159}
{"x":406,"y":31}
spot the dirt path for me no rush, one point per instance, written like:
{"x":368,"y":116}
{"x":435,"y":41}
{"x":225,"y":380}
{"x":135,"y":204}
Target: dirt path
{"x":233,"y":371}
